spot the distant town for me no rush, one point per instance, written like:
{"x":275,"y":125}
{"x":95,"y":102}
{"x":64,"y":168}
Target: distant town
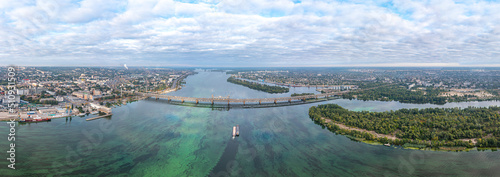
{"x":410,"y":85}
{"x":53,"y":92}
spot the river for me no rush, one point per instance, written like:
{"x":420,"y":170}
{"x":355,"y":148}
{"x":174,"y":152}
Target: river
{"x":154,"y":138}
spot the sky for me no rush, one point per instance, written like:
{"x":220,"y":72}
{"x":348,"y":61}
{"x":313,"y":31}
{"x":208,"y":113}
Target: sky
{"x":250,"y":33}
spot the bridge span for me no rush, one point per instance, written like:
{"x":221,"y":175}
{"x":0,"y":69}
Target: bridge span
{"x":243,"y":101}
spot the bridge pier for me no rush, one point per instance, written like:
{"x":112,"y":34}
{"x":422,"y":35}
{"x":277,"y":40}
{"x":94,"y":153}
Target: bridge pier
{"x":212,"y":102}
{"x":290,"y":100}
{"x":196,"y":101}
{"x":259,"y":101}
{"x":243,"y":102}
{"x":228,"y":102}
{"x":182,"y":100}
{"x":274,"y":101}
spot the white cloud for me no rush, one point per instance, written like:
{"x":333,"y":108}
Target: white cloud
{"x":243,"y":33}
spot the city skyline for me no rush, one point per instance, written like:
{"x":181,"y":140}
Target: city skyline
{"x":250,"y":33}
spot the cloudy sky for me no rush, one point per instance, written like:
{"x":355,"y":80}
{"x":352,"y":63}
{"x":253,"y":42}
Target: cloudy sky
{"x":250,"y":33}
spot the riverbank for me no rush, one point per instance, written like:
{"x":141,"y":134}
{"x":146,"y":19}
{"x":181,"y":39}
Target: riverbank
{"x":51,"y":117}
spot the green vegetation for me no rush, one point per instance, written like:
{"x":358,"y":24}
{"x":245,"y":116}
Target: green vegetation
{"x":398,"y":93}
{"x":51,"y":102}
{"x":301,"y":94}
{"x":80,"y":109}
{"x":257,"y":86}
{"x":384,"y":92}
{"x":430,"y":127}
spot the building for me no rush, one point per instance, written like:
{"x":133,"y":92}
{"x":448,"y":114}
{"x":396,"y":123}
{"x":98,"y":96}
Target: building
{"x":47,"y":111}
{"x":61,"y":110}
{"x":77,"y":94}
{"x":100,"y":108}
{"x":23,"y":91}
{"x":59,"y":98}
{"x":94,"y":97}
{"x":35,"y":90}
{"x":83,"y":95}
{"x":96,"y":92}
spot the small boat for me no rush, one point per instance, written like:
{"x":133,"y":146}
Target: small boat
{"x":81,"y":114}
{"x":95,"y":112}
{"x":234,"y":131}
{"x":237,"y":130}
{"x":387,"y":144}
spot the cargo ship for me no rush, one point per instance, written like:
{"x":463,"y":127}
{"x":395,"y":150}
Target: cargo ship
{"x":237,"y":130}
{"x":34,"y":119}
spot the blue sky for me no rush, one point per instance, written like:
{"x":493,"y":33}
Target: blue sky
{"x":250,"y":33}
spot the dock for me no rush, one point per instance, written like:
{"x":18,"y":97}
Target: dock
{"x":98,"y":117}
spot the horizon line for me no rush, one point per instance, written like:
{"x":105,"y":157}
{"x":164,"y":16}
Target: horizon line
{"x":395,"y":65}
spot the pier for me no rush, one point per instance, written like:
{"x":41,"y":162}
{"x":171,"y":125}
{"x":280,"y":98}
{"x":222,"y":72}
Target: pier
{"x":98,"y":117}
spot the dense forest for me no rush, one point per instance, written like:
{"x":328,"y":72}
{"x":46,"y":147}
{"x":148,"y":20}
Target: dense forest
{"x":430,"y":127}
{"x":257,"y":86}
{"x":398,"y":93}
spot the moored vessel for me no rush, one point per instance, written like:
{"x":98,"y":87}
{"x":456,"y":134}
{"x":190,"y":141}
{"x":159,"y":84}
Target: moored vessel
{"x":237,"y":130}
{"x":34,"y":119}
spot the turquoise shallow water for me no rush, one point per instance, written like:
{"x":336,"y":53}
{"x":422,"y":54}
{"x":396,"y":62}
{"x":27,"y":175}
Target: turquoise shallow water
{"x":153,"y":138}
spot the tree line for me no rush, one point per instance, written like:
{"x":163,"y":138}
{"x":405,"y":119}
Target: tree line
{"x":257,"y":86}
{"x":433,"y":127}
{"x":398,"y":93}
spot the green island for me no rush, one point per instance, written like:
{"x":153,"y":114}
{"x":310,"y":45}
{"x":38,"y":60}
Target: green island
{"x":439,"y":128}
{"x":257,"y":86}
{"x":301,"y":94}
{"x":402,"y":94}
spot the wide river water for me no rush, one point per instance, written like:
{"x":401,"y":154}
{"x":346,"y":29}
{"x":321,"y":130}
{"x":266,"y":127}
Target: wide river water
{"x":154,"y":138}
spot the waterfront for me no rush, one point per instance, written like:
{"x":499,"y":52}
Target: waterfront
{"x":151,"y":137}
